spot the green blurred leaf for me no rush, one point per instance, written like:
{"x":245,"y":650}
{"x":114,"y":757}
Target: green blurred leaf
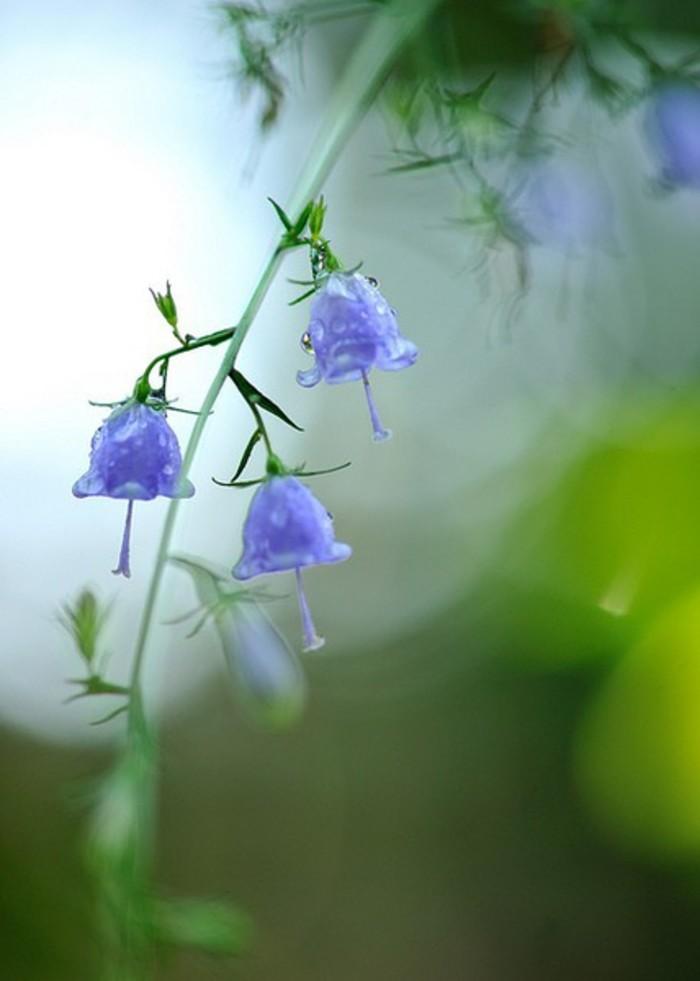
{"x":638,"y":749}
{"x":268,"y":679}
{"x":84,"y":621}
{"x":210,"y":925}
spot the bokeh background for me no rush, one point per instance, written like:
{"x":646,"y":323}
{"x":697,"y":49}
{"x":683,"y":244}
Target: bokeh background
{"x":498,"y":774}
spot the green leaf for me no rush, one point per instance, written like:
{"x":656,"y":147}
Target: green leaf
{"x":281,"y":214}
{"x":300,"y":472}
{"x":84,"y":621}
{"x":252,"y":443}
{"x":206,"y":578}
{"x":210,"y":925}
{"x":110,"y":715}
{"x":96,"y":685}
{"x":317,"y":217}
{"x":423,"y":163}
{"x":304,"y":296}
{"x":254,"y":397}
{"x":239,"y":483}
{"x":303,"y":219}
{"x":166,"y":304}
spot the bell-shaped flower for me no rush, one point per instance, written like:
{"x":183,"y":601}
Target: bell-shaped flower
{"x":266,"y":672}
{"x":563,"y":206}
{"x":352,"y":330}
{"x":134,"y":456}
{"x":286,"y":529}
{"x":673,"y":127}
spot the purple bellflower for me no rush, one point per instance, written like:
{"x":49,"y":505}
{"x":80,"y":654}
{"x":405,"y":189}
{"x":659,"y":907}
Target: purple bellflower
{"x":288,"y":528}
{"x":134,"y":456}
{"x":673,"y":126}
{"x":563,"y":206}
{"x":352,"y":330}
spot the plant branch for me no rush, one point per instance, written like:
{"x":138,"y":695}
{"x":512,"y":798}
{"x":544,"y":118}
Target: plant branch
{"x":390,"y":29}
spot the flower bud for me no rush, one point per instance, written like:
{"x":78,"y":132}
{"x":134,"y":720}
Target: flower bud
{"x":267,"y":675}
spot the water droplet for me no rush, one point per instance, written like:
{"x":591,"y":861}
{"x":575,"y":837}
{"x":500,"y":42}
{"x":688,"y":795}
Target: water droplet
{"x":278,"y":517}
{"x":306,"y":344}
{"x":372,"y":282}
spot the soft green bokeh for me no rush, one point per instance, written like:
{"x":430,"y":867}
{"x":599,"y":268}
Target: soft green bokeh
{"x":497,"y":773}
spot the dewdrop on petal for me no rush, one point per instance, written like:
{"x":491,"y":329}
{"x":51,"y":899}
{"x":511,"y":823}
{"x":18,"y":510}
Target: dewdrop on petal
{"x":134,"y":456}
{"x":352,"y":330}
{"x":286,"y":529}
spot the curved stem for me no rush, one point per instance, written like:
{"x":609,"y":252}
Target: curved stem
{"x":210,"y":340}
{"x":192,"y":446}
{"x":392,"y":27}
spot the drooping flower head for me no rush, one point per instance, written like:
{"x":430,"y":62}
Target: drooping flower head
{"x":286,"y":529}
{"x":268,"y":676}
{"x":673,"y":127}
{"x":352,"y":330}
{"x":563,"y":206}
{"x":134,"y":456}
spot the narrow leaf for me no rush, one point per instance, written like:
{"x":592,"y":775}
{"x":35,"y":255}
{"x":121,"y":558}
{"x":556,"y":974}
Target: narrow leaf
{"x":252,"y":443}
{"x":319,"y":473}
{"x":254,"y":397}
{"x":209,"y":925}
{"x":302,"y":220}
{"x":480,"y":91}
{"x":423,"y":164}
{"x":304,"y":296}
{"x":111,"y":715}
{"x":281,"y":214}
{"x":239,"y":483}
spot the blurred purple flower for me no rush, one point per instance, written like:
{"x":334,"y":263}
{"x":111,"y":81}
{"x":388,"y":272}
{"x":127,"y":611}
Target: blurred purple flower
{"x":134,"y":456}
{"x":673,"y":127}
{"x":268,"y":675}
{"x":564,"y":206}
{"x":352,"y":330}
{"x":288,"y":528}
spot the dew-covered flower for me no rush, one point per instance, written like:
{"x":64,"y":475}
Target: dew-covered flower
{"x":286,"y":529}
{"x":352,"y":330}
{"x":562,"y":205}
{"x":673,"y":127}
{"x":134,"y":456}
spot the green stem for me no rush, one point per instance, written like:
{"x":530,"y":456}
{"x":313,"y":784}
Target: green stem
{"x":257,"y":414}
{"x":240,"y":331}
{"x":393,"y":25}
{"x":210,"y":340}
